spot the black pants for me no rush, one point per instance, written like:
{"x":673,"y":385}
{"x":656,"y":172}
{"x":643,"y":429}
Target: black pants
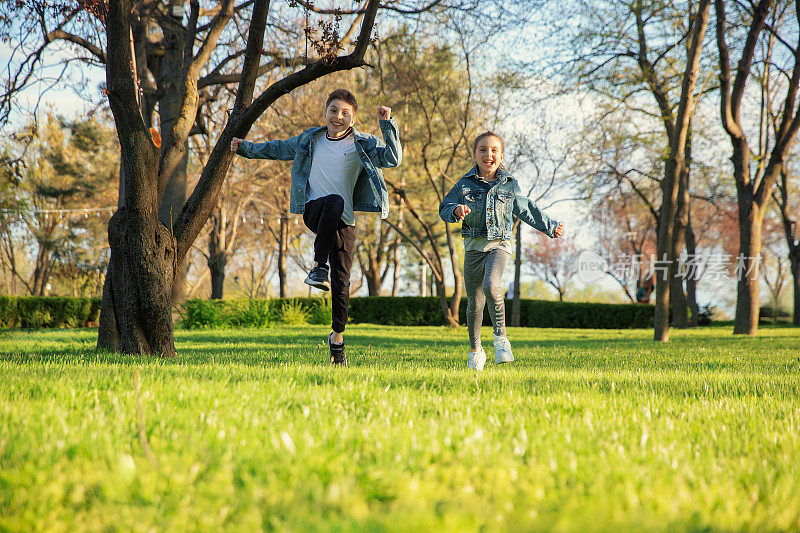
{"x":334,"y":245}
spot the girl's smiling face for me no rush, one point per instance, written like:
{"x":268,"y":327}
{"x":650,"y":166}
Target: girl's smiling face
{"x":339,"y":115}
{"x":488,"y":155}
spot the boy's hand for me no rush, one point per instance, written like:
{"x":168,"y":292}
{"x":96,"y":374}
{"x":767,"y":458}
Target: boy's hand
{"x":384,"y":113}
{"x":559,"y":230}
{"x":462,"y":211}
{"x":235,"y":144}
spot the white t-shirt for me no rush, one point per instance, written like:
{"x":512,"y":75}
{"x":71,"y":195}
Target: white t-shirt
{"x":335,"y":166}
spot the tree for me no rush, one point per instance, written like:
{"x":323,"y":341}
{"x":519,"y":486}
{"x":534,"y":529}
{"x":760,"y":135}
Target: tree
{"x":67,"y":170}
{"x":754,"y":185}
{"x":181,"y":61}
{"x":136,"y":313}
{"x":162,"y":47}
{"x":635,"y":47}
{"x":536,"y":158}
{"x":554,"y":261}
{"x":375,"y":251}
{"x":627,"y":239}
{"x":10,"y":207}
{"x":224,"y":225}
{"x":792,"y":235}
{"x":773,"y":267}
{"x":622,"y":176}
{"x":625,"y":174}
{"x":437,"y":107}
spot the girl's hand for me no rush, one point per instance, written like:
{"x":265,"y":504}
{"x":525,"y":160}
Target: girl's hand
{"x":559,"y":230}
{"x":461,"y":211}
{"x":235,"y":143}
{"x":384,"y":113}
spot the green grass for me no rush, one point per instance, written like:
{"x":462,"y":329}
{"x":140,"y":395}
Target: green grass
{"x":588,"y":429}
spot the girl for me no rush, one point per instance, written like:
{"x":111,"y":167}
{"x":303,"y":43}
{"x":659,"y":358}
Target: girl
{"x":487,"y":199}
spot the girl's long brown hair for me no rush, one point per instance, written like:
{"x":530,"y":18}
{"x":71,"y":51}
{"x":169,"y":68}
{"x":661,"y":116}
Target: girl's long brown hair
{"x":487,"y":133}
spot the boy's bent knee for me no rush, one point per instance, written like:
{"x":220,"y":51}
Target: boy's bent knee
{"x":335,"y":202}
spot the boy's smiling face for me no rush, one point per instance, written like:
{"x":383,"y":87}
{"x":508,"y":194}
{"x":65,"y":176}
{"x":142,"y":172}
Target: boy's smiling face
{"x":339,"y":115}
{"x":488,"y":155}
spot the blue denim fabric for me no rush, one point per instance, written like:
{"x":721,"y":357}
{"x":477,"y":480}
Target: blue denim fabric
{"x":493,"y":209}
{"x":370,"y":192}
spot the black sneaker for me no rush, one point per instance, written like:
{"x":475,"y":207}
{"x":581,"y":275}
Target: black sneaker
{"x":337,"y":352}
{"x":318,"y":278}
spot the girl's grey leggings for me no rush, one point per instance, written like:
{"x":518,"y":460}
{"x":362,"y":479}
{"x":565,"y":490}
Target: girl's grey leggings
{"x":482,"y":273}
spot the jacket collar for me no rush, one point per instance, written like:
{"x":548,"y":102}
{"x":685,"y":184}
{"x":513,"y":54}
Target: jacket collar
{"x":502,"y":175}
{"x":357,"y":135}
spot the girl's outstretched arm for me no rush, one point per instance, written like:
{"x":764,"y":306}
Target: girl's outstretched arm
{"x":449,"y":204}
{"x":526,"y":210}
{"x":281,"y":150}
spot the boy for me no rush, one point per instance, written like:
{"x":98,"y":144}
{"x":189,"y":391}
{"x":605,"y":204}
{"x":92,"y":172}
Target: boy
{"x":336,"y":171}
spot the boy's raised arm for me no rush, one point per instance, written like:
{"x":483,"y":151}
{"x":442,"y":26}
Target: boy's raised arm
{"x":278,"y":149}
{"x":390,"y":154}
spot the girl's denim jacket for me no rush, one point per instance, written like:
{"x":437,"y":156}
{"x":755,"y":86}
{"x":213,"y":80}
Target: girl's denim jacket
{"x":492,"y":212}
{"x":369,"y":193}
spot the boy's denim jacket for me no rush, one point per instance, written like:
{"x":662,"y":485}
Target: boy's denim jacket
{"x":492,"y":212}
{"x":369,"y":193}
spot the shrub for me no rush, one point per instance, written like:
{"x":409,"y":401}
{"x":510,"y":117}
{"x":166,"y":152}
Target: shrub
{"x":322,"y":312}
{"x":293,"y":312}
{"x":223,"y":314}
{"x":9,"y":315}
{"x":547,"y":314}
{"x":200,"y":314}
{"x":32,"y":312}
{"x":397,"y":311}
{"x":251,"y":313}
{"x":766,"y":313}
{"x":48,"y":312}
{"x":705,"y":315}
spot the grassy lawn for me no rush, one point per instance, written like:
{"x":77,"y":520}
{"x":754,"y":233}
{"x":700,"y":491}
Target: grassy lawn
{"x":588,"y":429}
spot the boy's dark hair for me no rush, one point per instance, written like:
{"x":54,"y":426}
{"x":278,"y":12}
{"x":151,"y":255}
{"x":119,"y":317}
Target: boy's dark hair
{"x":345,"y":96}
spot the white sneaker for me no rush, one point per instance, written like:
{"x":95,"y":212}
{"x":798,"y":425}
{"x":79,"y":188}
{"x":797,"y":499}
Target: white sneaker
{"x":502,"y":349}
{"x":476,"y":360}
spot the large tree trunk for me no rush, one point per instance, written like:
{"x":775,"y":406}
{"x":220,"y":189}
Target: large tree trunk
{"x":217,"y":256}
{"x":169,"y":109}
{"x":396,"y":267}
{"x":447,"y":313}
{"x":41,"y":271}
{"x":171,"y":204}
{"x":136,"y":313}
{"x":680,"y":316}
{"x":748,"y":263}
{"x":752,"y":197}
{"x":674,"y":167}
{"x":372,"y":274}
{"x":665,"y":252}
